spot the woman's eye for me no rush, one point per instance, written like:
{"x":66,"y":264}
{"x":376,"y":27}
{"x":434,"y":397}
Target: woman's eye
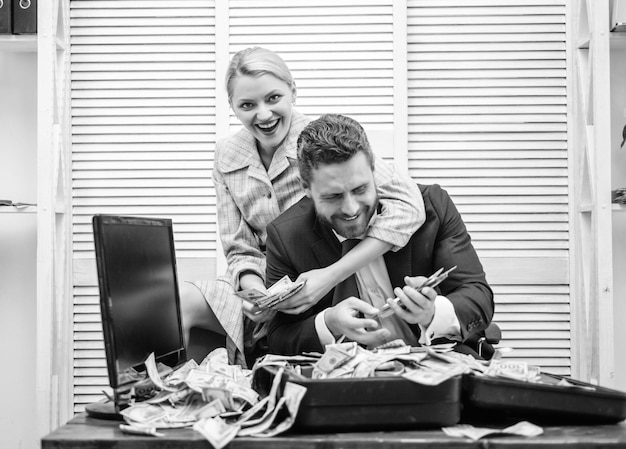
{"x":246,"y":106}
{"x":274,"y":98}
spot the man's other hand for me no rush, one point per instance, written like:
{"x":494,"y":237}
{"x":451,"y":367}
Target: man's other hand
{"x":346,"y":318}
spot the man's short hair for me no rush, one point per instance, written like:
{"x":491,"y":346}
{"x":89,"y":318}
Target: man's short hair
{"x":330,"y":139}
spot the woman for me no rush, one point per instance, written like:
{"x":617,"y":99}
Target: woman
{"x":256,"y":178}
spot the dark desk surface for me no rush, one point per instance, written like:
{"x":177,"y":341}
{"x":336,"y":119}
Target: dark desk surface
{"x":84,"y":432}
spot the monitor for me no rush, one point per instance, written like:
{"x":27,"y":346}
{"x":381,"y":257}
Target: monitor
{"x":139,"y":297}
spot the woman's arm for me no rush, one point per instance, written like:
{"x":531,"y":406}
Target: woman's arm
{"x":240,"y":244}
{"x":402,"y":206}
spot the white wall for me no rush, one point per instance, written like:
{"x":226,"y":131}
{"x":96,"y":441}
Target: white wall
{"x":18,"y":245}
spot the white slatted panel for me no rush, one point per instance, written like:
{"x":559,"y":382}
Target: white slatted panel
{"x":487,"y":120}
{"x":340,"y":53}
{"x":143,"y":134}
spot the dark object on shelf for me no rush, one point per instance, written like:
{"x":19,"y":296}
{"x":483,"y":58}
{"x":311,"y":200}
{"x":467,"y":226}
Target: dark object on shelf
{"x":618,"y":196}
{"x":11,"y":203}
{"x":24,"y":16}
{"x":488,"y":399}
{"x":5,"y":16}
{"x":372,"y":403}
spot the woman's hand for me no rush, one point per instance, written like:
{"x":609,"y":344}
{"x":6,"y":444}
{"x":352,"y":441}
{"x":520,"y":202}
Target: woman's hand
{"x":256,"y":314}
{"x":252,"y":311}
{"x":317,"y":284}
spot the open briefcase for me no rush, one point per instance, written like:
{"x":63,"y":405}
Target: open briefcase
{"x":372,"y":403}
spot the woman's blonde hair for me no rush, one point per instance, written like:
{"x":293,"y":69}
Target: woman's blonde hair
{"x":257,"y":61}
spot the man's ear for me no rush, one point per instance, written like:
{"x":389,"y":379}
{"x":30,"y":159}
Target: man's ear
{"x":306,"y":187}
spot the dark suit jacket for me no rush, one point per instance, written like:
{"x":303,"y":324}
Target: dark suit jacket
{"x":297,"y":242}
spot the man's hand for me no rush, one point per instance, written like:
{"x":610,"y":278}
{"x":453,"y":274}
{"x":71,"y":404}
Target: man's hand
{"x":346,"y":318}
{"x":317,"y":284}
{"x":416,"y":306}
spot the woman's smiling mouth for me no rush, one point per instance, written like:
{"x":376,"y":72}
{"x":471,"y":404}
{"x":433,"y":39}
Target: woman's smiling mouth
{"x":268,"y":127}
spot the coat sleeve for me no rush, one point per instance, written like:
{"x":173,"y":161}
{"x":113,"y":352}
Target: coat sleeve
{"x":467,"y":286}
{"x":240,"y":243}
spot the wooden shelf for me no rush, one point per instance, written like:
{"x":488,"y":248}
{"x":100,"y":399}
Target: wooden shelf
{"x":18,"y":210}
{"x":18,"y":43}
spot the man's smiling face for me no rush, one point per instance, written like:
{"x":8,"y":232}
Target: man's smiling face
{"x":344,"y":195}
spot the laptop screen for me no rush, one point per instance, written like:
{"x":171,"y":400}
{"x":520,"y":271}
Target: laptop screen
{"x":139,"y":299}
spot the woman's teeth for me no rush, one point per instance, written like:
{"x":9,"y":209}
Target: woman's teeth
{"x":267,"y":126}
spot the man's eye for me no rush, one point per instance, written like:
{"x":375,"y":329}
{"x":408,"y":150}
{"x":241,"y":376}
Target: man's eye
{"x":361,"y":190}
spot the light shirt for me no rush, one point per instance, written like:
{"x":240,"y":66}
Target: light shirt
{"x":374,"y":287}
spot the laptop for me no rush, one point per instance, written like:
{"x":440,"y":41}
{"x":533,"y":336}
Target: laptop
{"x":139,"y":301}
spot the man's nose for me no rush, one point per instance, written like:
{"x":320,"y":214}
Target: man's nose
{"x":349,"y":206}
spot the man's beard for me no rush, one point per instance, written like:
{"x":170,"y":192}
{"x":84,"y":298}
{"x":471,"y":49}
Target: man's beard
{"x":346,"y":229}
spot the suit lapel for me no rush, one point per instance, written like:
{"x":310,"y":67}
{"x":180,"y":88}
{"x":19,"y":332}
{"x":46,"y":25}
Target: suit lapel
{"x":399,"y":264}
{"x":325,"y":246}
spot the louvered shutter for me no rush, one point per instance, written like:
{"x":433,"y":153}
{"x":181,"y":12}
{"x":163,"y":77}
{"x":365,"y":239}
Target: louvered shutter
{"x":487,"y":121}
{"x":340,"y":53}
{"x":143,"y":134}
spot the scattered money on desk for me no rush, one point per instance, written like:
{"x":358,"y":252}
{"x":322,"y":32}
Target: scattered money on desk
{"x":522,"y":428}
{"x":215,"y":399}
{"x":281,"y":290}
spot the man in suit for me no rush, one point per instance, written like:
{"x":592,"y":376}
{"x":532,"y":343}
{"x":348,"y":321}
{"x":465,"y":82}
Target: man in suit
{"x":336,"y":168}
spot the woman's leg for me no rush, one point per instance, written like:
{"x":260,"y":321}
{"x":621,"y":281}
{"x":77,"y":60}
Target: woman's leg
{"x":196,"y":312}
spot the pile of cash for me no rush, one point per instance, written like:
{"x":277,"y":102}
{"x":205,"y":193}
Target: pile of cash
{"x":214,"y":398}
{"x":281,"y":290}
{"x":427,"y":365}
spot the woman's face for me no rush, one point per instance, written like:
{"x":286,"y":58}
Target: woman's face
{"x":263,"y":105}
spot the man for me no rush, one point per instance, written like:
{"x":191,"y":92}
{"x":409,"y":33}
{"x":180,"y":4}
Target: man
{"x":336,"y":167}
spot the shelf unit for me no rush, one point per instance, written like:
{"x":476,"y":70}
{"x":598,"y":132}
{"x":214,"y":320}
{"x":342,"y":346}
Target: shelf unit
{"x":53,"y":378}
{"x":591,"y":210}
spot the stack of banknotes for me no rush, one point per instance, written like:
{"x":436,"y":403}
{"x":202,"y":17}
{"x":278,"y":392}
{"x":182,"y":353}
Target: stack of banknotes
{"x":281,"y":290}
